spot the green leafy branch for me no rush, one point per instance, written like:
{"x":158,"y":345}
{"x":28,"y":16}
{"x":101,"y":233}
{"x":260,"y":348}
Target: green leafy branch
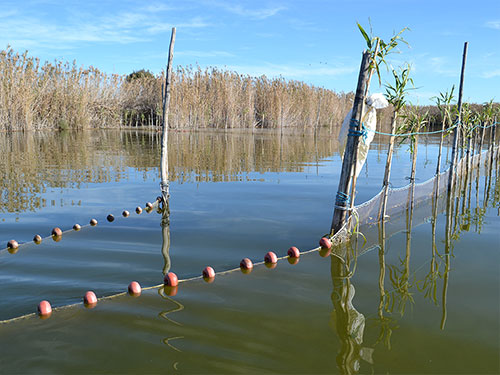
{"x":396,"y":92}
{"x":380,"y":49}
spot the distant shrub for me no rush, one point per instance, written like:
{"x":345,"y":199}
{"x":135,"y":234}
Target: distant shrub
{"x":139,"y":74}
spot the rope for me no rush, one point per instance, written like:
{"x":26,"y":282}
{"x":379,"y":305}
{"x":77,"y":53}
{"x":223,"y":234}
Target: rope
{"x":342,"y":201}
{"x":365,"y":129}
{"x":158,"y":286}
{"x":353,"y":129}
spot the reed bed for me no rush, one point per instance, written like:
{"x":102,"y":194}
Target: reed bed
{"x":62,"y":95}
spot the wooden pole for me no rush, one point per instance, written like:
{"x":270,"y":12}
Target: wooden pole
{"x":341,"y":204}
{"x":164,"y":184}
{"x":451,"y":178}
{"x":355,"y":160}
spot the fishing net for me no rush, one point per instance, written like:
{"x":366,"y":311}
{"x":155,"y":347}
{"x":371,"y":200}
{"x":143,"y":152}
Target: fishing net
{"x":399,"y":198}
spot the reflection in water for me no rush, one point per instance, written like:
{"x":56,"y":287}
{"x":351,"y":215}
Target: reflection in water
{"x":459,"y":216}
{"x":164,"y":209}
{"x":32,"y":163}
{"x":164,"y":315}
{"x":347,"y":321}
{"x":400,"y":274}
{"x":165,"y":236}
{"x":386,"y":324}
{"x":429,"y":284}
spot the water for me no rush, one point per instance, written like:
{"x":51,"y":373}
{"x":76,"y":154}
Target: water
{"x":235,"y":195}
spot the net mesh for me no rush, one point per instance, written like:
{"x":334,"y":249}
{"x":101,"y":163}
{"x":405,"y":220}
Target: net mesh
{"x":398,"y":198}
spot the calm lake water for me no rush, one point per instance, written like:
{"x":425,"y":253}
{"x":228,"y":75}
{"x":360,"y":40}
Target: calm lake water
{"x":236,"y":195}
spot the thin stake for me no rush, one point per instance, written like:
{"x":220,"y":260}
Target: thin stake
{"x":164,"y":184}
{"x":451,"y":178}
{"x":388,"y":162}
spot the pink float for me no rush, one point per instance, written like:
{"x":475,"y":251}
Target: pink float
{"x":90,"y":299}
{"x":270,"y":257}
{"x":325,"y":243}
{"x":293,"y":252}
{"x":171,"y":279}
{"x":12,"y":245}
{"x":44,"y":309}
{"x":134,"y":288}
{"x":57,"y":232}
{"x":208,"y":274}
{"x":246,"y":263}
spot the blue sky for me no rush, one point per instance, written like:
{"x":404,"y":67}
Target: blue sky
{"x":313,"y":41}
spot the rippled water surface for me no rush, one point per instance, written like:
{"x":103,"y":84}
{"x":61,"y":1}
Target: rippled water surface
{"x":417,"y":306}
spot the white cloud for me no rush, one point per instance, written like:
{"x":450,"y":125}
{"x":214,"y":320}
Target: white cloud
{"x":493,"y":24}
{"x":204,"y":53}
{"x":440,"y":65}
{"x":491,"y":74}
{"x":30,"y":30}
{"x":257,"y":14}
{"x":420,"y":97}
{"x":161,"y":27}
{"x":298,"y":72}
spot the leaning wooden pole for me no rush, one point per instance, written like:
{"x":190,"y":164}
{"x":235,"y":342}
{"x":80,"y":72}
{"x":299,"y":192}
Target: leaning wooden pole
{"x":451,"y":178}
{"x":342,"y":197}
{"x":164,"y":184}
{"x":355,"y":159}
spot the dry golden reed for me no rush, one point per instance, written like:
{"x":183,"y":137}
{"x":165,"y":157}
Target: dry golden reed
{"x":62,"y":95}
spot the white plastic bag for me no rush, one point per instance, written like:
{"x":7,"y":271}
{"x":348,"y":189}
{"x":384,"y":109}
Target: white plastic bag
{"x":369,"y":119}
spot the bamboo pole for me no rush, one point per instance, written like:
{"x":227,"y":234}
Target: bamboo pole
{"x":481,"y":141}
{"x":492,"y":144}
{"x":438,"y":166}
{"x":388,"y":163}
{"x":341,"y":205}
{"x":412,"y":173}
{"x":451,"y":178}
{"x":164,"y":184}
